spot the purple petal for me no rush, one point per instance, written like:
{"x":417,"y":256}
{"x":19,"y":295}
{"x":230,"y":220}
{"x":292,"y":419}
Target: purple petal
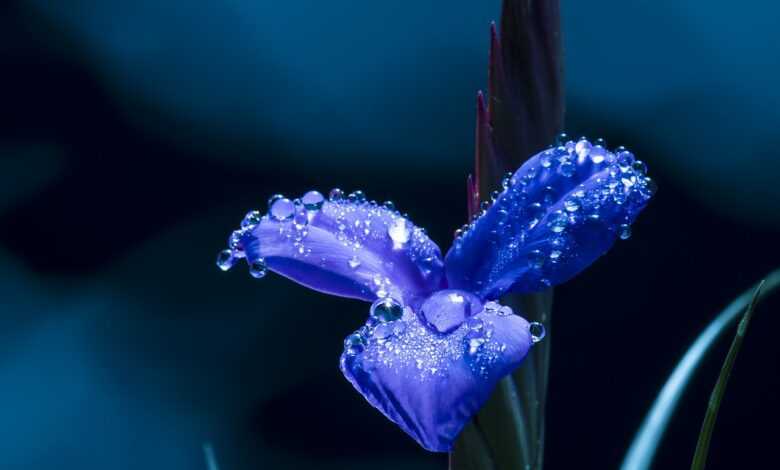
{"x":431,"y":383}
{"x":555,"y":216}
{"x":346,"y":247}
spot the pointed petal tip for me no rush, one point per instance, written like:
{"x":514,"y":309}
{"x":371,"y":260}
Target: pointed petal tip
{"x":344,"y":246}
{"x":556,"y":215}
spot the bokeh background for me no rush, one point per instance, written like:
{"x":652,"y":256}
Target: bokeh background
{"x":135,"y":135}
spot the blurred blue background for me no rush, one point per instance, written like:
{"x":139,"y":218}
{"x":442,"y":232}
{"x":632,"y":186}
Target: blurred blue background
{"x":135,"y":135}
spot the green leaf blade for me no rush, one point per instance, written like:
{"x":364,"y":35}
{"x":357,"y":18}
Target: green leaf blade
{"x":643,"y":448}
{"x":713,"y":406}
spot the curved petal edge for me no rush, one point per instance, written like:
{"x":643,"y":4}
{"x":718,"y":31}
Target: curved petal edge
{"x":552,"y":218}
{"x":343,"y":246}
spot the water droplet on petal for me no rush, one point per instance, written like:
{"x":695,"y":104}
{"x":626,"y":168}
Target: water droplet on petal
{"x":300,"y":220}
{"x":571,"y":204}
{"x":389,"y":205}
{"x":399,"y":232}
{"x":561,"y":138}
{"x":558,"y":221}
{"x":535,"y":212}
{"x":505,"y":311}
{"x":336,"y":195}
{"x":567,"y":168}
{"x":354,"y":262}
{"x":624,"y":231}
{"x":251,"y":219}
{"x":258,"y":269}
{"x":473,"y":341}
{"x":354,"y":344}
{"x":356,"y":197}
{"x":386,"y":309}
{"x":537,"y":331}
{"x":282,"y":209}
{"x":475,"y":324}
{"x":536,"y":259}
{"x":273,"y":199}
{"x":313,"y":200}
{"x":582,"y":148}
{"x":650,"y":186}
{"x":598,"y":154}
{"x":234,"y":242}
{"x":640,"y":167}
{"x":225,"y":260}
{"x":546,"y":159}
{"x":624,"y":160}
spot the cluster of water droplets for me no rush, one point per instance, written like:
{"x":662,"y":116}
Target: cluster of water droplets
{"x":394,"y":338}
{"x":558,"y":189}
{"x":356,"y":223}
{"x":293,"y":217}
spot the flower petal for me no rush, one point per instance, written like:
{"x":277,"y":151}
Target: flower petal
{"x":430,"y":383}
{"x":343,"y":246}
{"x":556,"y":215}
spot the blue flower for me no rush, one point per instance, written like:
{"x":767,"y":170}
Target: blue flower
{"x":436,"y":341}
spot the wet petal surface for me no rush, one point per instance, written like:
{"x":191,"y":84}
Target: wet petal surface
{"x":557,"y":214}
{"x":432,"y":383}
{"x":343,"y":246}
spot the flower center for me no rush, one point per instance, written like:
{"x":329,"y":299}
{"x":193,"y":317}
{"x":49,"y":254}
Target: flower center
{"x":445,"y":310}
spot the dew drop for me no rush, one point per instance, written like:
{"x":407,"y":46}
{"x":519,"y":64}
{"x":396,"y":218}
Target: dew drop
{"x":624,"y":231}
{"x":225,"y":260}
{"x":546,"y":159}
{"x":473,"y":341}
{"x":571,"y":204}
{"x":335,"y":195}
{"x":567,"y":168}
{"x":386,"y":309}
{"x":624,"y":160}
{"x":650,"y":186}
{"x":640,"y":167}
{"x":354,"y":262}
{"x":234,"y":242}
{"x":251,"y":219}
{"x":536,"y":259}
{"x":383,"y":332}
{"x":399,"y":232}
{"x":598,"y":154}
{"x":548,"y":195}
{"x":313,"y":200}
{"x":389,"y":205}
{"x":354,"y":344}
{"x":537,"y":331}
{"x":506,"y":181}
{"x":258,"y":269}
{"x":561,"y":138}
{"x":505,"y":311}
{"x":558,"y":222}
{"x":356,"y":197}
{"x":475,"y":324}
{"x":301,"y":220}
{"x":582,"y":148}
{"x":535,"y":213}
{"x":273,"y":199}
{"x":282,"y":209}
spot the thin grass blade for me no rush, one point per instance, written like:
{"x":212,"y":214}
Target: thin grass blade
{"x":703,"y":446}
{"x":645,"y":444}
